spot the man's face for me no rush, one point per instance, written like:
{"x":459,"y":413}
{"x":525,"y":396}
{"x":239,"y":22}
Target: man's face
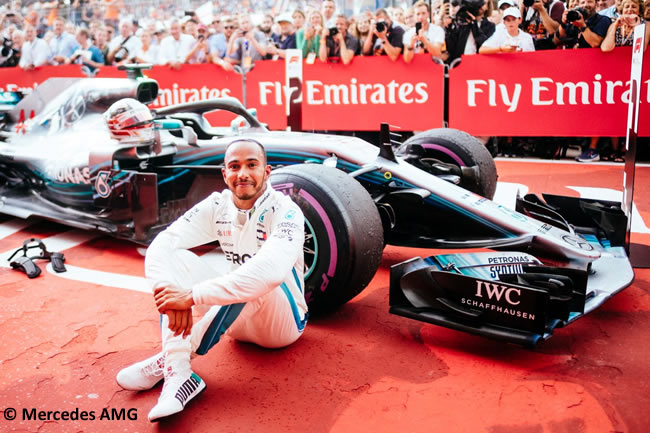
{"x":81,"y":39}
{"x":58,"y":27}
{"x":285,"y":28}
{"x":589,"y":6}
{"x":511,"y":23}
{"x":341,"y":25}
{"x":267,"y":24}
{"x":245,"y":173}
{"x":190,"y":28}
{"x":646,"y":9}
{"x":101,"y":36}
{"x":328,"y":9}
{"x":17,"y":39}
{"x":381,"y":16}
{"x":126,"y":29}
{"x":175,"y":30}
{"x":30,"y":33}
{"x":421,"y":14}
{"x":228,"y":28}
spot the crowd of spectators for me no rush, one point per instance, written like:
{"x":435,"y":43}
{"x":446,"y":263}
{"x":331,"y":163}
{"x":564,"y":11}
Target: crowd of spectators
{"x":112,"y":32}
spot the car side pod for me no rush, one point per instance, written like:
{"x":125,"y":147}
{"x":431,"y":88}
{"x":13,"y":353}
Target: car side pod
{"x":507,"y":296}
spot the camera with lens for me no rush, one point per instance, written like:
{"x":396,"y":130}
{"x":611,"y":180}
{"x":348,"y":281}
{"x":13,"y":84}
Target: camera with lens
{"x":121,"y":54}
{"x":333,"y":32}
{"x":469,"y":7}
{"x":380,"y":26}
{"x":529,"y":3}
{"x":8,"y":55}
{"x":575,"y":14}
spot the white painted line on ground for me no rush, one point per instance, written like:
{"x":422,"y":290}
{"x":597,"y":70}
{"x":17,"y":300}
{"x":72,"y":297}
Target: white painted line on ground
{"x":56,"y":243}
{"x":10,"y":227}
{"x":110,"y":279}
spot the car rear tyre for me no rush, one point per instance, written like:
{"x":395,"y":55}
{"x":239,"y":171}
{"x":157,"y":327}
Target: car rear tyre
{"x":344,"y":237}
{"x":467,"y":160}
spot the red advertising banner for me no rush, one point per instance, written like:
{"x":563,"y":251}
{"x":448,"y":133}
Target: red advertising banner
{"x":546,"y":93}
{"x":371,"y":90}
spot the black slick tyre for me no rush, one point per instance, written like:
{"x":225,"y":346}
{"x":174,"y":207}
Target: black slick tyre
{"x":455,"y":148}
{"x":344,"y":237}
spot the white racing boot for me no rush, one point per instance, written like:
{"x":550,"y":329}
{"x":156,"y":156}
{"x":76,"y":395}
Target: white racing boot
{"x":142,"y":375}
{"x":181,"y":386}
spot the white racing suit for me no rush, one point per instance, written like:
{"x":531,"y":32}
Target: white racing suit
{"x":261,"y":299}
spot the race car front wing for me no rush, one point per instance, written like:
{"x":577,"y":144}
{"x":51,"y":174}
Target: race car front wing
{"x":508,"y":296}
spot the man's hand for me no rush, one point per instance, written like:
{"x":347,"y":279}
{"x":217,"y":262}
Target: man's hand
{"x":580,"y":23}
{"x":180,"y":321}
{"x":172,"y":298}
{"x":538,"y":5}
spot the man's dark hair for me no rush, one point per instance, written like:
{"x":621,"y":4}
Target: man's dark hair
{"x":247,"y":140}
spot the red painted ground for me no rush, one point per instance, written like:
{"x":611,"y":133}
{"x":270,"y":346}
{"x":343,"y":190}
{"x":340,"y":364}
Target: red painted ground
{"x":359,"y":370}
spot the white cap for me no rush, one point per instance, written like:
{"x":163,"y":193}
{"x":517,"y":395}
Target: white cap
{"x":511,"y":12}
{"x":506,"y":2}
{"x":283,"y":17}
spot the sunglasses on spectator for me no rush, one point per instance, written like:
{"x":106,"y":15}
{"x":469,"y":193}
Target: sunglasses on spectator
{"x":228,"y":27}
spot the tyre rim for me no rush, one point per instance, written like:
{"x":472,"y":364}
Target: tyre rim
{"x":310,"y":249}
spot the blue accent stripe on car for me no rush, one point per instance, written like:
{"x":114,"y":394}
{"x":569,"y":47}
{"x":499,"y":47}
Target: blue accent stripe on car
{"x":221,"y":322}
{"x":294,"y":308}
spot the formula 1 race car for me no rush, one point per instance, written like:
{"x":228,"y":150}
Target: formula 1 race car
{"x":550,"y":261}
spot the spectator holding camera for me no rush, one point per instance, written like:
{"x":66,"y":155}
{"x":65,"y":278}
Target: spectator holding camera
{"x":124,"y":45}
{"x":621,"y":31}
{"x":308,"y":37}
{"x":337,"y":43}
{"x":283,"y":41}
{"x":17,"y":42}
{"x":87,"y":54}
{"x":584,"y":24}
{"x":175,"y":48}
{"x":63,"y":44}
{"x":511,"y":38}
{"x":246,"y":45}
{"x":35,"y":50}
{"x":468,"y":30}
{"x":542,"y":18}
{"x":386,"y":40}
{"x":200,"y":52}
{"x":424,"y":36}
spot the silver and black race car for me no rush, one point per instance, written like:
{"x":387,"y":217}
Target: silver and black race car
{"x":538,"y":267}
